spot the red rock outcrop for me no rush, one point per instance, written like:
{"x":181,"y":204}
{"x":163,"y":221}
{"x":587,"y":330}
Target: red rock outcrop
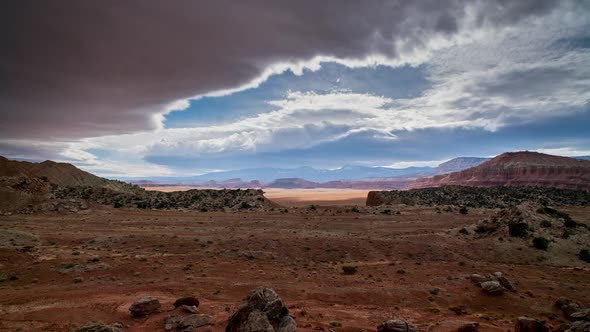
{"x":518,"y":169}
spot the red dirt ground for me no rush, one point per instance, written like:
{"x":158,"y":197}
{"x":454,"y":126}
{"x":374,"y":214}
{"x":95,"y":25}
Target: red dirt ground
{"x":220,"y":257}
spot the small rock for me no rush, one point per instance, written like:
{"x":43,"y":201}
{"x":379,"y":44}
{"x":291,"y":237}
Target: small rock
{"x":144,"y":306}
{"x":526,"y":324}
{"x":469,"y":327}
{"x":397,"y":325}
{"x":187,"y":300}
{"x":189,"y":308}
{"x":492,"y":287}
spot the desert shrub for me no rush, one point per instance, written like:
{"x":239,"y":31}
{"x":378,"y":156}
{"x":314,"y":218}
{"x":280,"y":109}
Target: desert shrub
{"x":464,"y":231}
{"x":584,"y":255}
{"x":355,"y":209}
{"x":485,"y":228}
{"x":518,"y":229}
{"x":541,"y":243}
{"x":463,"y":210}
{"x":565,"y":234}
{"x":348,"y":269}
{"x":386,"y":211}
{"x":335,"y":324}
{"x":203,"y":209}
{"x":245,"y":205}
{"x":117,"y":205}
{"x":546,"y":223}
{"x":569,"y":223}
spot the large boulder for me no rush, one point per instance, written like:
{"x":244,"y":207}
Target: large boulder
{"x":397,"y":325}
{"x":526,"y":324}
{"x":144,"y":306}
{"x":263,"y":310}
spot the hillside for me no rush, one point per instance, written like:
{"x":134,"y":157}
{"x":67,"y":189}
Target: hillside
{"x":518,"y":169}
{"x":61,"y":174}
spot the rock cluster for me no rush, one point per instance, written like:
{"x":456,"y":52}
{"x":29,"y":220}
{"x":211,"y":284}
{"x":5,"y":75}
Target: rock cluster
{"x":262,"y":311}
{"x":144,"y":306}
{"x":573,"y":311}
{"x":494,"y":284}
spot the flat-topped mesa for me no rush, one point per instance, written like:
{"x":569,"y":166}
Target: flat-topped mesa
{"x":518,"y":169}
{"x":479,"y":197}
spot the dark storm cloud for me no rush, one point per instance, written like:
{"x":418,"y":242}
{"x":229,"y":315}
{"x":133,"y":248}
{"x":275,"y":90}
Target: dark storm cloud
{"x":71,"y":69}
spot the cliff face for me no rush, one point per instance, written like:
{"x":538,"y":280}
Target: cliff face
{"x":518,"y":169}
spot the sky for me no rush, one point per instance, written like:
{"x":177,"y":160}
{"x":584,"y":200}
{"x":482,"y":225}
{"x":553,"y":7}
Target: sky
{"x":156,"y":88}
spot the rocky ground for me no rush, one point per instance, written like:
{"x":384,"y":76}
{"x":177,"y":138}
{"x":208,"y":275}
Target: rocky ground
{"x":345,"y":269}
{"x":480,"y":197}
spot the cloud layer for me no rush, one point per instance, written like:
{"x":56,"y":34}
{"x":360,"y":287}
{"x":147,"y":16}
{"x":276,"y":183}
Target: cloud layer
{"x":79,"y":79}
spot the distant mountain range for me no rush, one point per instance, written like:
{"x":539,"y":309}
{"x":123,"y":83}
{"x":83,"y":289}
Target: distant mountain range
{"x":308,"y":177}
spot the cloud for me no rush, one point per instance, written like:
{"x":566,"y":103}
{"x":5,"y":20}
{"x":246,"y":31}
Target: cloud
{"x":78,"y":69}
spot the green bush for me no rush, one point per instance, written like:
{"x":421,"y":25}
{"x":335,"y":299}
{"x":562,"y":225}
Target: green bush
{"x":520,"y":229}
{"x":541,"y":243}
{"x":584,"y":255}
{"x":348,"y":269}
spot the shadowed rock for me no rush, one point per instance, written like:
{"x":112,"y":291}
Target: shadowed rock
{"x":187,"y":300}
{"x":263,"y":310}
{"x":526,"y":324}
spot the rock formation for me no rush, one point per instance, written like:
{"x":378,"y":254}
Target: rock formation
{"x":518,"y":169}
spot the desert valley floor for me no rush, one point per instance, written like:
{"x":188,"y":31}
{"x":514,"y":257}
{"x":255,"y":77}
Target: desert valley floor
{"x":64,"y":270}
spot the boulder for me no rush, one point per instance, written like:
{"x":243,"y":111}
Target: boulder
{"x":187,"y":323}
{"x":492,"y":287}
{"x":187,"y":300}
{"x":526,"y":324}
{"x":144,"y":306}
{"x":262,"y":310}
{"x":100,"y":327}
{"x":397,"y":325}
{"x":469,"y":327}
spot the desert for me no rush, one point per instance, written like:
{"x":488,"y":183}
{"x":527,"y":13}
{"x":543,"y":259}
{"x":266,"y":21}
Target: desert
{"x":295,"y":165}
